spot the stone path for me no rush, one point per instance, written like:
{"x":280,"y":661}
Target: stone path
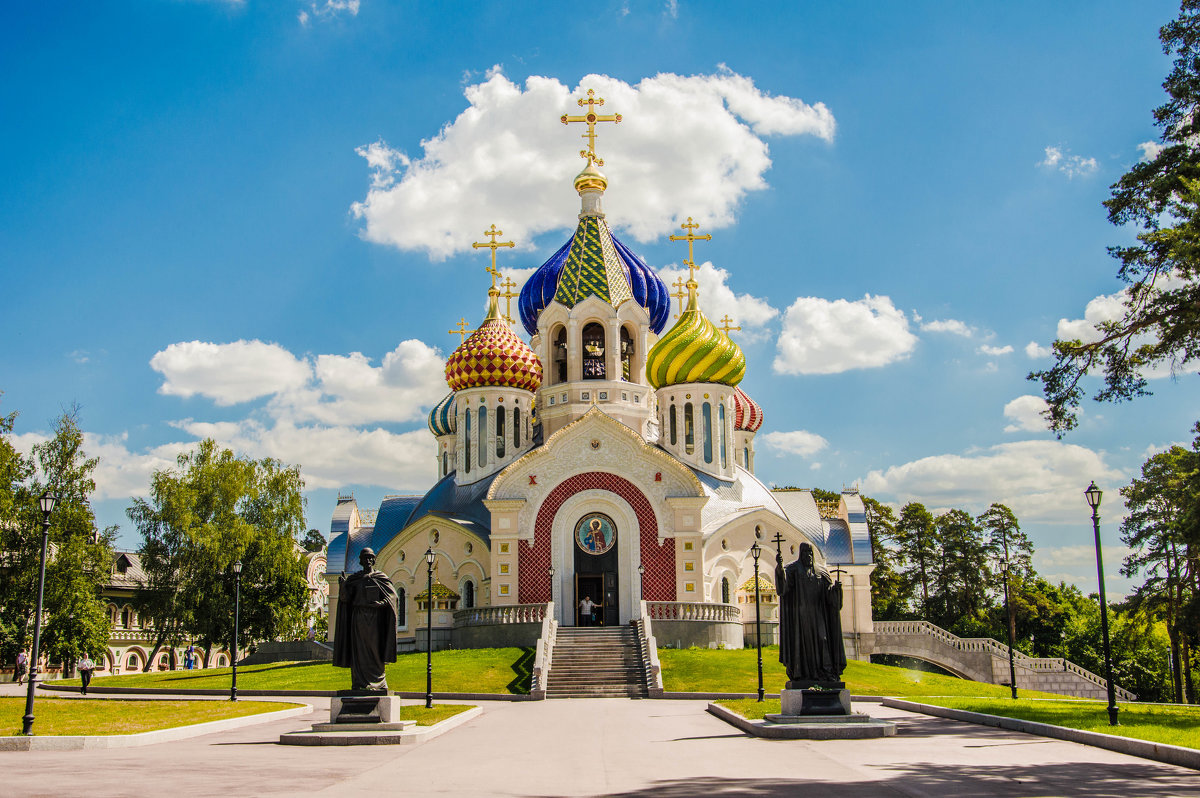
{"x":663,"y":749}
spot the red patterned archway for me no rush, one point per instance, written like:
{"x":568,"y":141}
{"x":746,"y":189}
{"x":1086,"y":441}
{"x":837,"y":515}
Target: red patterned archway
{"x":533,"y":562}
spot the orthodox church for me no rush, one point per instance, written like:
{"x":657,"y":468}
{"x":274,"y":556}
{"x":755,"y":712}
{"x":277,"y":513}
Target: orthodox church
{"x":609,"y":460}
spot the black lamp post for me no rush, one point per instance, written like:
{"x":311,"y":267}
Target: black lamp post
{"x":1012,"y":667}
{"x":237,"y":610}
{"x":756,"y":552}
{"x":429,"y":558}
{"x":46,"y":503}
{"x":1093,"y":495}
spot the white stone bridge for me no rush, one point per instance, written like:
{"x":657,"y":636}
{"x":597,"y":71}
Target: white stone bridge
{"x":986,"y":660}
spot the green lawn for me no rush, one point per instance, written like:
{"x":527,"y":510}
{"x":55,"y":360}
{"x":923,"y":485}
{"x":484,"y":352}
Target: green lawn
{"x":435,"y":714}
{"x":485,"y":670}
{"x":71,"y":716}
{"x":699,"y":670}
{"x":1160,"y":723}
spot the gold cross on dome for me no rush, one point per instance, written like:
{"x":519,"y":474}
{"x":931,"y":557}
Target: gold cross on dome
{"x":691,"y":238}
{"x":591,"y":118}
{"x":679,"y":294}
{"x":461,"y":330}
{"x":726,"y":324}
{"x":493,"y":245}
{"x":508,"y":295}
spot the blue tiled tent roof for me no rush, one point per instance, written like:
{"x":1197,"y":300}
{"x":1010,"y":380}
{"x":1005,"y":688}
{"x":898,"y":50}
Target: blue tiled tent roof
{"x":460,"y":503}
{"x":392,"y":517}
{"x":647,"y":287}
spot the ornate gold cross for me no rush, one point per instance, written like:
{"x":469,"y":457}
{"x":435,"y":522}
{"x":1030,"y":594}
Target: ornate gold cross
{"x":461,"y":330}
{"x":508,"y":295}
{"x":679,"y":294}
{"x":493,"y":245}
{"x":726,"y":324}
{"x":591,"y":118}
{"x":691,"y":238}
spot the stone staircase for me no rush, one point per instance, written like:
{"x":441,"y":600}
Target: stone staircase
{"x":597,"y":662}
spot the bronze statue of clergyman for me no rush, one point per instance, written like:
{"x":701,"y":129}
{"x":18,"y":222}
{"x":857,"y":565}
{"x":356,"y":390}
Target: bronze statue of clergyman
{"x":810,"y":626}
{"x":365,"y":636}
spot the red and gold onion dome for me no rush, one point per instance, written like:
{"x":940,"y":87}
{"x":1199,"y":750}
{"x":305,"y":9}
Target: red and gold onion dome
{"x":748,"y":416}
{"x":493,"y":356}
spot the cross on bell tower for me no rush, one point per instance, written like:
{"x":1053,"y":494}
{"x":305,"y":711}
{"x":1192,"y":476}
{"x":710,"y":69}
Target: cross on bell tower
{"x":507,"y":294}
{"x":493,"y":245}
{"x":691,"y":238}
{"x":461,"y":330}
{"x":591,"y":118}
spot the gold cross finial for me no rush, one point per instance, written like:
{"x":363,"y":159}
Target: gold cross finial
{"x":493,"y":245}
{"x":591,"y":118}
{"x":461,"y":330}
{"x":726,"y":324}
{"x":679,"y":294}
{"x":691,"y":238}
{"x":508,"y":295}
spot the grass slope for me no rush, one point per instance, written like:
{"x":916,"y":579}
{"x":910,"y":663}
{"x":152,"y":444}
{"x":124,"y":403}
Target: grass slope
{"x":76,"y":716}
{"x":485,"y":670}
{"x":698,"y":670}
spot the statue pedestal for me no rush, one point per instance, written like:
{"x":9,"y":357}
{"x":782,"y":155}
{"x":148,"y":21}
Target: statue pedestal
{"x":815,"y":702}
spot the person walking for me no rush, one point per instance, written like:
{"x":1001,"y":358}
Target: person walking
{"x":22,"y":665}
{"x":86,"y":666}
{"x":585,"y":611}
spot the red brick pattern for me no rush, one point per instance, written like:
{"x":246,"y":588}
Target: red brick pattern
{"x":533,"y":562}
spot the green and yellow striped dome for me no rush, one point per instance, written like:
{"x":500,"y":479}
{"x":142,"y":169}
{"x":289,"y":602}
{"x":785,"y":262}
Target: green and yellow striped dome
{"x":694,"y":350}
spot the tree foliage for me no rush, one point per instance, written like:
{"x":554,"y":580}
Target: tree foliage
{"x":214,"y":509}
{"x":1160,"y":196}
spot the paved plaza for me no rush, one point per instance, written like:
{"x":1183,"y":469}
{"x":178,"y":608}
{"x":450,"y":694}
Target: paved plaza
{"x":603,"y":747}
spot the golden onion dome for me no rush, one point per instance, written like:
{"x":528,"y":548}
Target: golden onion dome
{"x":494,"y":356}
{"x":694,"y":350}
{"x":590,"y":179}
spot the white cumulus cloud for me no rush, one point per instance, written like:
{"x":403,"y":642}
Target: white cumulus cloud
{"x":1035,"y":351}
{"x":824,"y":337}
{"x":327,"y":10}
{"x":1070,"y":165}
{"x":228,"y":373}
{"x":1150,"y":150}
{"x":1040,"y":480}
{"x":799,"y":442}
{"x":995,"y":351}
{"x":508,"y":159}
{"x":1025,"y":413}
{"x":951,"y":326}
{"x":718,"y":300}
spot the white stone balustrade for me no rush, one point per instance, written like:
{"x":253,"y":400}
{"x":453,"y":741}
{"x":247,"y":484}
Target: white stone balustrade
{"x":495,"y":616}
{"x":693,"y":611}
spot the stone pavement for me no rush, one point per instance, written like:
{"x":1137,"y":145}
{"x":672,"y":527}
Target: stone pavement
{"x":663,"y":749}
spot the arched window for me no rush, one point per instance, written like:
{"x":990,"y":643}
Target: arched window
{"x":468,"y":594}
{"x":467,"y":440}
{"x":131,"y":664}
{"x":445,"y":463}
{"x":401,"y":608}
{"x":516,"y":428}
{"x":746,"y":457}
{"x":593,"y":352}
{"x":500,"y":432}
{"x":689,"y":429}
{"x":482,"y":436}
{"x":724,"y":589}
{"x":559,"y":355}
{"x":626,"y":354}
{"x":721,"y":424}
{"x":706,"y":415}
{"x":674,"y":427}
{"x":126,"y":617}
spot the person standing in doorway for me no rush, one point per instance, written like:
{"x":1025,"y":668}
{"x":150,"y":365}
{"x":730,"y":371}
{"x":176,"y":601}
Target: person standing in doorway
{"x":586,"y":607}
{"x":22,"y":665}
{"x":86,"y":666}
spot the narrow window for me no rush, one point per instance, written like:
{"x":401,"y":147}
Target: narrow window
{"x":689,"y":429}
{"x":724,"y":589}
{"x":467,"y":444}
{"x":706,"y":415}
{"x":126,"y":617}
{"x":559,"y":355}
{"x":626,"y":354}
{"x":674,"y":437}
{"x":516,"y":428}
{"x":721,"y":424}
{"x":482,"y":437}
{"x":746,"y":458}
{"x":500,"y":432}
{"x":469,"y":594}
{"x":593,"y":352}
{"x":401,"y":608}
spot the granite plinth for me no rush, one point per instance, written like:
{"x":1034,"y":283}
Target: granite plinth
{"x":814,"y":702}
{"x":358,"y":708}
{"x":808,"y":727}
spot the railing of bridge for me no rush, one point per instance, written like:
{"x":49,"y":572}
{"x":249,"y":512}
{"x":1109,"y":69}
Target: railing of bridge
{"x":998,"y":649}
{"x":692,"y":611}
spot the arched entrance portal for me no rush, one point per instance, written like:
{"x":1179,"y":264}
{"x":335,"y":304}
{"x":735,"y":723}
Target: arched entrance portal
{"x":597,"y":574}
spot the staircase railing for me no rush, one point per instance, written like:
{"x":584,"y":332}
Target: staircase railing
{"x":649,"y":651}
{"x":543,"y":653}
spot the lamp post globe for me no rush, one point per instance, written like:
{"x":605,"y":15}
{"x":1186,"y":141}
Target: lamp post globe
{"x":46,"y":504}
{"x":237,"y":611}
{"x":756,"y":552}
{"x":429,"y":558}
{"x":1093,"y":496}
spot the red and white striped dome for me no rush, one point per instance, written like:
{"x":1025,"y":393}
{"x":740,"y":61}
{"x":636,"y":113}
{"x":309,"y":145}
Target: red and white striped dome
{"x":748,"y":416}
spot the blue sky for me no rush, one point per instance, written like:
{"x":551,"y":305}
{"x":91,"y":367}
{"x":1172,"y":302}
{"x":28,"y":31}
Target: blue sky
{"x":252,"y":220}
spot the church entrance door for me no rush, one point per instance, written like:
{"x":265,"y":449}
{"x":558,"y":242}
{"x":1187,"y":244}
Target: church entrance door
{"x":596,"y":569}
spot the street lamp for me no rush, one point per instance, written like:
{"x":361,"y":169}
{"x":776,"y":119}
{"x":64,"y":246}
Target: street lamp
{"x":429,"y":558}
{"x":756,"y":552}
{"x":1012,"y":668}
{"x":46,"y":503}
{"x":237,"y":610}
{"x":1093,"y":495}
